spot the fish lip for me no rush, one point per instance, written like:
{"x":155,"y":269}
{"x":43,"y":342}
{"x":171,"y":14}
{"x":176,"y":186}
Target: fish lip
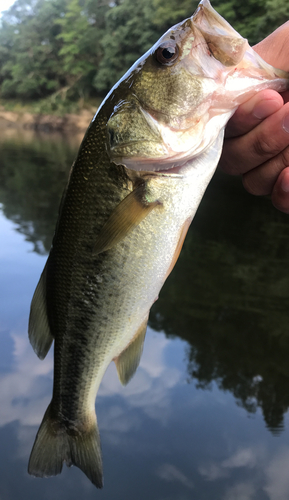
{"x":162,"y":173}
{"x":169,"y":172}
{"x":205,"y":8}
{"x":172,"y":172}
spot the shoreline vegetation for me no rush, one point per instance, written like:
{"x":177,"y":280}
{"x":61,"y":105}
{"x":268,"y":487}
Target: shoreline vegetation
{"x":46,"y":123}
{"x":58,"y":57}
{"x":70,"y":122}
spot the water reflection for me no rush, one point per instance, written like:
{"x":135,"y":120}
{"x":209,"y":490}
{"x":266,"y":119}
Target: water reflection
{"x":228,"y":294}
{"x":228,"y":297}
{"x":33,"y":172}
{"x":221,"y":321}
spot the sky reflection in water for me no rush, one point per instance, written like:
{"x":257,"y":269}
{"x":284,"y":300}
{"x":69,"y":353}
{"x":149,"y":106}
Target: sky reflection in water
{"x":162,"y":437}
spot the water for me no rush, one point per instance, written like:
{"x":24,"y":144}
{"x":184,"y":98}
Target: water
{"x":206,"y":415}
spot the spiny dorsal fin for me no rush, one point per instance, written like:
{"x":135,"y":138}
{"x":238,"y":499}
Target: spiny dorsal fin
{"x":125,"y":217}
{"x":128,"y":361}
{"x":39,"y":331}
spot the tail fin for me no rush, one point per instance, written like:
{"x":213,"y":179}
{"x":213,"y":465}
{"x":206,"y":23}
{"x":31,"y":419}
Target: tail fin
{"x":55,"y":444}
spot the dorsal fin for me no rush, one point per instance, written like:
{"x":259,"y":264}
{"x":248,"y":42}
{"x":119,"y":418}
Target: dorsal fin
{"x":39,"y":331}
{"x":125,"y":217}
{"x":128,"y":361}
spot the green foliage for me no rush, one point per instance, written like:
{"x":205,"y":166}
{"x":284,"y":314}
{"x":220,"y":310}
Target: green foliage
{"x":277,"y":13}
{"x":130,"y":32}
{"x":80,"y":48}
{"x":171,"y":12}
{"x":254,"y":19}
{"x":48,"y":46}
{"x":30,"y":67}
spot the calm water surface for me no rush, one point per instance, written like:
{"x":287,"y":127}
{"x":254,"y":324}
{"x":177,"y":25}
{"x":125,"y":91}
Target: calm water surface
{"x":206,"y":415}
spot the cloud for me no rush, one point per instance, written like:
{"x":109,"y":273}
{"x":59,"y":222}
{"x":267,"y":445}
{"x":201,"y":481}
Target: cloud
{"x":150,"y":386}
{"x":241,"y":491}
{"x":212,"y":472}
{"x":169,"y":472}
{"x":270,"y":474}
{"x":244,"y":457}
{"x":277,"y":485}
{"x":21,"y":391}
{"x":26,"y":391}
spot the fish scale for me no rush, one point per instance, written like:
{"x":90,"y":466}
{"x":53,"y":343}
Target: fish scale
{"x":142,"y":169}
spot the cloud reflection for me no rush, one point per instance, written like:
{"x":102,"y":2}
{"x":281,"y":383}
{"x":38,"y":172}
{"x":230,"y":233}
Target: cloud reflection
{"x":25,"y":392}
{"x":170,"y":472}
{"x":243,"y":457}
{"x":149,"y":389}
{"x":21,"y":391}
{"x":271,"y":475}
{"x":241,"y":491}
{"x":277,"y":474}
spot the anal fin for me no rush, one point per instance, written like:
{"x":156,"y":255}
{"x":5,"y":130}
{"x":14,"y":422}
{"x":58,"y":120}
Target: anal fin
{"x":126,"y":216}
{"x":38,"y":330}
{"x":128,"y":361}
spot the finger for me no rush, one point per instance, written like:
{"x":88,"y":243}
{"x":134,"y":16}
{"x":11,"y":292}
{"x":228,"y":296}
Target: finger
{"x":274,"y":48}
{"x":261,"y":180}
{"x":280,"y":193}
{"x":252,"y":112}
{"x":265,"y":141}
{"x":285,"y":96}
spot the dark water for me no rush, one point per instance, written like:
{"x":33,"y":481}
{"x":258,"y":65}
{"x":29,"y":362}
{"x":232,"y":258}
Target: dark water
{"x":206,"y":415}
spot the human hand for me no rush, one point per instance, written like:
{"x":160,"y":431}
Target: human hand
{"x":257,"y":136}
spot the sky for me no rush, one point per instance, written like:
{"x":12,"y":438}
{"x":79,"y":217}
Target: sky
{"x":5,"y":4}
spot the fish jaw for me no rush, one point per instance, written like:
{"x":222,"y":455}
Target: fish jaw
{"x":231,"y":48}
{"x":216,"y":70}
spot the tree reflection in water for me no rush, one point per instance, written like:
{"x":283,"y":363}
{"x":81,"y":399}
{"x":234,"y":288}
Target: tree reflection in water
{"x":33,"y":173}
{"x":228,"y":294}
{"x":228,"y":298}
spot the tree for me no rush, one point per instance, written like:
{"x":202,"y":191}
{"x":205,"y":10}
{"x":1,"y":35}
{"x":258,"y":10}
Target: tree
{"x":30,"y":66}
{"x":82,"y":47}
{"x":81,"y":32}
{"x":129,"y":33}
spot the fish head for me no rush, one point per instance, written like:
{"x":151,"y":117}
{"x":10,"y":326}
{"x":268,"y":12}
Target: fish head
{"x":173,"y":103}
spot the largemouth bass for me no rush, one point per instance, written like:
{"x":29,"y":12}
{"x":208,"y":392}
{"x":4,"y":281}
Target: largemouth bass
{"x":141,"y":171}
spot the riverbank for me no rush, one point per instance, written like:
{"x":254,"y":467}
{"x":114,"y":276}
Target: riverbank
{"x":67,"y":123}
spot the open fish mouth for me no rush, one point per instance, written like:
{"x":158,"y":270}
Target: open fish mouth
{"x":211,"y":68}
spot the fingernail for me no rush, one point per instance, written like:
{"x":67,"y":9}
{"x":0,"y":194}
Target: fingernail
{"x":285,"y":182}
{"x":286,"y":123}
{"x":266,"y":108}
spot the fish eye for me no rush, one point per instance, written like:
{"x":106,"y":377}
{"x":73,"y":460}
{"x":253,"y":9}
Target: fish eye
{"x":167,"y":53}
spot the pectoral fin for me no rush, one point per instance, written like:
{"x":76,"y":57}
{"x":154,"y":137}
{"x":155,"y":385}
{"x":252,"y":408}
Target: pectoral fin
{"x":128,"y":361}
{"x":125,"y":217}
{"x":39,"y":331}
